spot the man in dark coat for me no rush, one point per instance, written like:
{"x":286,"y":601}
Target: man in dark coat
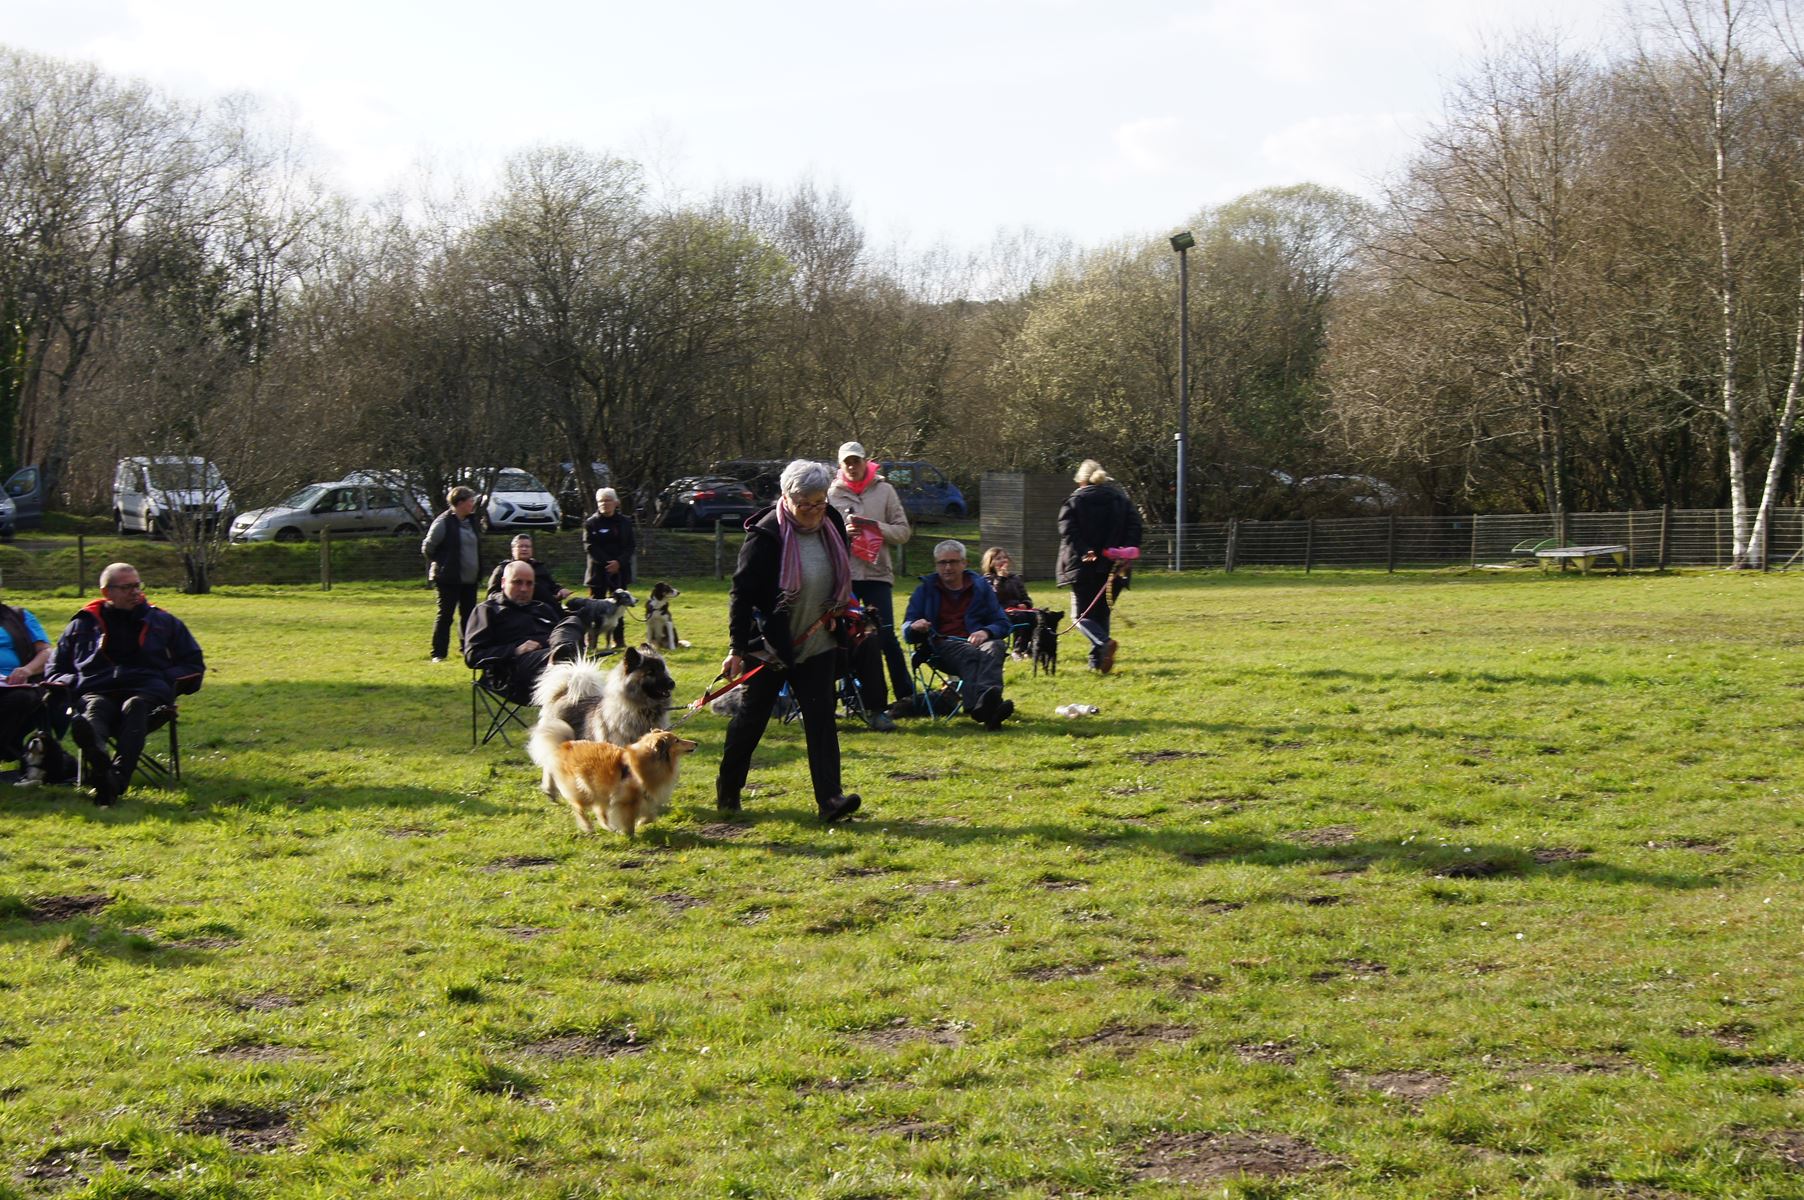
{"x":122,"y":658}
{"x":511,"y":637}
{"x":1097,"y":517}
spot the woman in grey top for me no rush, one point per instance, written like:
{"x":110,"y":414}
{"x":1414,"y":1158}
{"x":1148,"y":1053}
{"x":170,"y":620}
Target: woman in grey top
{"x":453,"y":563}
{"x":793,"y":578}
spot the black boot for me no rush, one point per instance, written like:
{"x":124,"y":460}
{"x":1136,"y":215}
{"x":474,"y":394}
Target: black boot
{"x":726,"y":802}
{"x":839,"y":807}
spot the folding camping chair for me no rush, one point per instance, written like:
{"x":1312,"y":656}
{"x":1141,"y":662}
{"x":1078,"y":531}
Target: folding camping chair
{"x":940,"y":694}
{"x":60,"y":711}
{"x":489,"y":698}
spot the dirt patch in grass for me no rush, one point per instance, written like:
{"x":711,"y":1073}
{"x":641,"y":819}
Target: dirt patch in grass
{"x":246,"y":1128}
{"x":752,"y":916}
{"x":1327,"y":835}
{"x":860,"y":872}
{"x":1479,"y":868}
{"x":1321,"y":900}
{"x":520,"y":862}
{"x":723,"y":831}
{"x":1196,"y":985}
{"x":900,"y":1032}
{"x":1218,"y":906}
{"x":1283,"y":1054}
{"x":1062,"y":885}
{"x":46,"y":910}
{"x":1352,"y":868}
{"x":1135,"y":1037}
{"x":916,"y":776}
{"x":1696,"y":845}
{"x":914,"y":1130}
{"x":1130,"y":789}
{"x":1523,"y":1072}
{"x":409,"y":831}
{"x":1786,"y":1145}
{"x":523,"y":933}
{"x":1149,"y":757}
{"x":261,"y":1052}
{"x":561,"y":1046}
{"x":1558,"y":854}
{"x":1411,"y":1086}
{"x":1060,"y":971}
{"x":60,"y":1169}
{"x":1357,"y":968}
{"x":1191,"y":1158}
{"x":629,"y":864}
{"x":265,"y":1002}
{"x":937,"y":885}
{"x":677,"y":902}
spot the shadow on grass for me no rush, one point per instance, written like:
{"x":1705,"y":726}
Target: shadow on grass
{"x":205,"y":799}
{"x":1479,"y":863}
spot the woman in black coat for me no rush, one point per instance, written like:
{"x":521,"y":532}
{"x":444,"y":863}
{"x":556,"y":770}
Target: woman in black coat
{"x":793,"y":578}
{"x":1096,"y":517}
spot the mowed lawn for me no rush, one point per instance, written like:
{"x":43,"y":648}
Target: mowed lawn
{"x":1359,"y":885}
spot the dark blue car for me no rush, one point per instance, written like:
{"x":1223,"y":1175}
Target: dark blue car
{"x":925,"y":490}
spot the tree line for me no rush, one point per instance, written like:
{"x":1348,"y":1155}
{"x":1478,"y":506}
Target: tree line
{"x":1585,"y":289}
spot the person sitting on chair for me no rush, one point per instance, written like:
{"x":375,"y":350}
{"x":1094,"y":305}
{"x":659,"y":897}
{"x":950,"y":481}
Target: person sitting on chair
{"x":512,"y":637}
{"x":121,"y":658}
{"x":24,"y":652}
{"x":544,"y":587}
{"x":1011,"y":591}
{"x":966,"y":630}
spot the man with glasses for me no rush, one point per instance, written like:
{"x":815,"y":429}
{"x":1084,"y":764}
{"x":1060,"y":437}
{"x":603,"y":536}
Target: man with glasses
{"x":121,"y":658}
{"x":955,"y":611}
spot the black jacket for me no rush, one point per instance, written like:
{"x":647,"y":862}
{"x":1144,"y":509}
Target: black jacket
{"x":605,"y":540}
{"x":1096,"y":517}
{"x":755,"y":620}
{"x":497,"y":626}
{"x":441,"y":544}
{"x":544,"y":587}
{"x":167,"y":662}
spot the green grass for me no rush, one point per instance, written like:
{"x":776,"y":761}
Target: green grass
{"x":1446,"y":884}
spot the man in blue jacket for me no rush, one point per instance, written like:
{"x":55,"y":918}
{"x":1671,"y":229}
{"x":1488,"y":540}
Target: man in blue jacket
{"x":121,"y":657}
{"x":956,"y":612}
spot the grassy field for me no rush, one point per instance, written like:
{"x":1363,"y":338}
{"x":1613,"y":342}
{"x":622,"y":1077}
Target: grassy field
{"x":1420,"y":885}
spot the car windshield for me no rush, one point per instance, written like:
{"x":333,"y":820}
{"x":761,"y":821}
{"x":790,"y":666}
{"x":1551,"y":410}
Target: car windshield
{"x":185,"y":476}
{"x":303,"y":498}
{"x":516,"y":481}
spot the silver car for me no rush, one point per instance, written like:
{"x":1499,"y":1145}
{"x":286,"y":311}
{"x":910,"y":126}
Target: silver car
{"x":347,"y":509}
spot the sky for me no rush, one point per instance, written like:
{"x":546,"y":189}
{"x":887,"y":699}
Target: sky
{"x":942,"y":121}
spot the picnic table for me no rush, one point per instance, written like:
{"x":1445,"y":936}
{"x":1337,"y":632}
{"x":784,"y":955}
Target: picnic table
{"x":1584,"y":556}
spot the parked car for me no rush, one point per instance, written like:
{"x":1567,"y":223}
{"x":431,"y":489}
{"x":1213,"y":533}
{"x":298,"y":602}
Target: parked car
{"x":347,"y":509}
{"x":1347,"y":496}
{"x":576,"y":502}
{"x":9,"y":519}
{"x":516,"y":500}
{"x":697,"y":500}
{"x":150,"y":491}
{"x":759,"y":474}
{"x":925,"y":490}
{"x":413,"y":493}
{"x":25,"y":493}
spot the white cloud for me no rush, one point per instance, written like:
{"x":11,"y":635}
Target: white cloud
{"x":1353,"y":151}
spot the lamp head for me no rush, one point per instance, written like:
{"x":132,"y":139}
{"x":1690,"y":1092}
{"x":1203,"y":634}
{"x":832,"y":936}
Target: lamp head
{"x":1183,"y":241}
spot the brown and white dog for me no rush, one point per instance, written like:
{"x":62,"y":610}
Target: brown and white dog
{"x":621,"y":787}
{"x":660,"y":626}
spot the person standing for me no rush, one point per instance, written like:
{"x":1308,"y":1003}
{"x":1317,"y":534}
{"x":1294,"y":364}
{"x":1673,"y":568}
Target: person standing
{"x":1095,"y":518}
{"x":794,"y":574}
{"x":868,"y":501}
{"x":453,"y":552}
{"x":121,"y":658}
{"x":609,"y":546}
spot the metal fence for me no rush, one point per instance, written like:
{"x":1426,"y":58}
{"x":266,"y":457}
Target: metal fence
{"x":1678,"y":538}
{"x":1655,"y":538}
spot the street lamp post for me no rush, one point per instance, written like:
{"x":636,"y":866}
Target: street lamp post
{"x":1182,"y":243}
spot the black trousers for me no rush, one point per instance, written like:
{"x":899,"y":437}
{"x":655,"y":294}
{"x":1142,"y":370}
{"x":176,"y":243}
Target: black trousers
{"x":120,"y":717}
{"x":453,"y":598}
{"x":811,"y":683}
{"x":879,"y":600}
{"x":21,"y":713}
{"x":1086,"y":593}
{"x":564,"y":645}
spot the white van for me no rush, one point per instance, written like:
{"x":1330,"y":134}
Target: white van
{"x":150,"y":491}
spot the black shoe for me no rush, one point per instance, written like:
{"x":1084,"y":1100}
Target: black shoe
{"x":726,"y":803}
{"x":839,"y":808}
{"x":1004,"y":711}
{"x":985,"y":709}
{"x":105,"y":789}
{"x":880,"y":723}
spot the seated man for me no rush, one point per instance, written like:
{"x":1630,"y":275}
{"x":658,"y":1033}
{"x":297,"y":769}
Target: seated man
{"x":957,"y":614}
{"x":511,"y":637}
{"x":122,"y":658}
{"x":544,"y":587}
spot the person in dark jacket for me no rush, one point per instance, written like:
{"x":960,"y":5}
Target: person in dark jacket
{"x":1095,"y":518}
{"x":793,"y":576}
{"x":999,"y":572}
{"x":958,"y":615}
{"x":121,"y":658}
{"x":544,"y":587}
{"x":24,"y":653}
{"x":609,"y":545}
{"x":453,"y":552}
{"x":513,"y":637}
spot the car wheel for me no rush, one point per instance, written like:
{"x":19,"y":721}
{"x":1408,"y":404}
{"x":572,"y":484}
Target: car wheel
{"x":289,"y":533}
{"x":155,"y":528}
{"x":406,"y":530}
{"x":119,"y":524}
{"x":953,"y":510}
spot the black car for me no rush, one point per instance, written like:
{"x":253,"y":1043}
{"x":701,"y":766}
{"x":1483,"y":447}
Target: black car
{"x":695,"y":501}
{"x":759,"y":474}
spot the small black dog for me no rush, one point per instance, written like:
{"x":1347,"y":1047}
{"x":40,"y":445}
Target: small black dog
{"x":46,"y":761}
{"x":1044,"y":640}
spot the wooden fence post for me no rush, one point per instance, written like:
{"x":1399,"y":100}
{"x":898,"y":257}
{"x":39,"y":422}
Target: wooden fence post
{"x":325,"y":560}
{"x":1228,"y":556}
{"x":1309,"y":546}
{"x":1665,"y":535}
{"x":1390,"y":544}
{"x":1474,"y":542}
{"x":720,"y":548}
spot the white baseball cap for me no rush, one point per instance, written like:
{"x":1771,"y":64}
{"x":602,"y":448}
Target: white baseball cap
{"x":851,"y":450}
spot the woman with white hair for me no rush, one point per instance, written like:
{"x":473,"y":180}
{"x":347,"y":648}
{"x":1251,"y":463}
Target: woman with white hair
{"x":1095,"y":518}
{"x":794,"y":575}
{"x":609,"y":545}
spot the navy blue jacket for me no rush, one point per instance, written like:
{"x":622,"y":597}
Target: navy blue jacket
{"x":172,"y":664}
{"x":985,"y":612}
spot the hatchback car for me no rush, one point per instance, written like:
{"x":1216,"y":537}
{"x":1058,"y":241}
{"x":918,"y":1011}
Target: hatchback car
{"x":698,"y":500}
{"x":516,"y":500}
{"x":925,"y":490}
{"x":347,"y":509}
{"x":758,"y":474}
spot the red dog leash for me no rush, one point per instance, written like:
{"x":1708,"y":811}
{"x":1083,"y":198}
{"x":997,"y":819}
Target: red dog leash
{"x":707,"y":698}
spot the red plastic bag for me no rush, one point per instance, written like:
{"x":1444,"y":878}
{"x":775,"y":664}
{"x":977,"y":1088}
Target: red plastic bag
{"x":867,"y":542}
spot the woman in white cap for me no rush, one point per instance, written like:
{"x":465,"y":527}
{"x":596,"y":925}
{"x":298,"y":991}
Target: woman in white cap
{"x":868,"y":501}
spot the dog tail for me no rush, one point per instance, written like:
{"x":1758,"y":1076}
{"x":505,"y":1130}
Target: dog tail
{"x":575,"y":681}
{"x":547,"y":736}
